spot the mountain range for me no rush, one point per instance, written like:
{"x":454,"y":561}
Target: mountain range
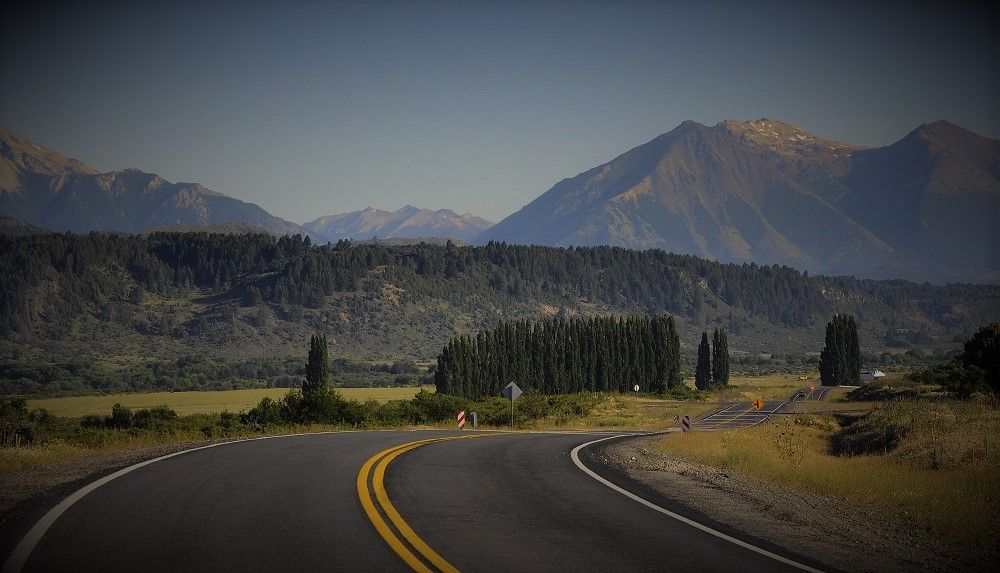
{"x":43,"y":188}
{"x":924,"y":208}
{"x":407,"y":222}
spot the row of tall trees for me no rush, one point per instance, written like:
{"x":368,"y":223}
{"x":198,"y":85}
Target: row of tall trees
{"x":712,"y":370}
{"x":557,"y":356}
{"x":840,"y":360}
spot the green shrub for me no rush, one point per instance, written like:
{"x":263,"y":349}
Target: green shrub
{"x":159,"y":418}
{"x":877,"y":432}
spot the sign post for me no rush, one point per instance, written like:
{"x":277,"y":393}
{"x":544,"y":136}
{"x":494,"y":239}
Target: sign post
{"x":636,"y":390}
{"x":511,"y":392}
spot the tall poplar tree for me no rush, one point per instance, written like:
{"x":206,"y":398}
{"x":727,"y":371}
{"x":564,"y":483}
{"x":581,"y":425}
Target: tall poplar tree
{"x":720,"y":358}
{"x":840,"y":360}
{"x":703,"y":372}
{"x":318,"y":366}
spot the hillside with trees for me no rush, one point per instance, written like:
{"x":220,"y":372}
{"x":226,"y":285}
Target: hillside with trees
{"x":103,"y":312}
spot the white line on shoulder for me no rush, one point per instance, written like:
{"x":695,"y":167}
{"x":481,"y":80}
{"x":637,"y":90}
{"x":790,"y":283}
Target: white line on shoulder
{"x":575,"y":454}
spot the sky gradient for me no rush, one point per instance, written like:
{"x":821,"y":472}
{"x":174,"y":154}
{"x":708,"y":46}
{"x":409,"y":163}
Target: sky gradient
{"x":310,"y":108}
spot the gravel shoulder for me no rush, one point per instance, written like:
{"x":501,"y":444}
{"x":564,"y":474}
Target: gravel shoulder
{"x":831,"y":530}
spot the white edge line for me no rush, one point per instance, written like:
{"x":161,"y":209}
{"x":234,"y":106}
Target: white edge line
{"x":19,"y":557}
{"x":576,"y":460}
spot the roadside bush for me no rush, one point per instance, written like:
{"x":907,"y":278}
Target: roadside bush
{"x":878,"y":432}
{"x":18,"y":425}
{"x":430,"y":407}
{"x":121,"y":417}
{"x":159,"y":418}
{"x":266,"y":412}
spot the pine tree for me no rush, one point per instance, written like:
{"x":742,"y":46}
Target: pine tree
{"x":703,"y":373}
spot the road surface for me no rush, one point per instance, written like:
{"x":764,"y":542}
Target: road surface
{"x":743,"y":415}
{"x":498,"y":502}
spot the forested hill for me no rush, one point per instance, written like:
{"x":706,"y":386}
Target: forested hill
{"x":118,"y":300}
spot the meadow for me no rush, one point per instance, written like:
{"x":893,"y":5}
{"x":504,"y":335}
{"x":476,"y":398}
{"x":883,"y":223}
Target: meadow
{"x":201,"y":402}
{"x":935,"y":463}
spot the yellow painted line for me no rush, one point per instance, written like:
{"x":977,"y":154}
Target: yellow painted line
{"x":381,"y":462}
{"x":364,"y":494}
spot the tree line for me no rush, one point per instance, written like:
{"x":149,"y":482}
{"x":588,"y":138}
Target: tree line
{"x":253,"y":269}
{"x":559,"y":356}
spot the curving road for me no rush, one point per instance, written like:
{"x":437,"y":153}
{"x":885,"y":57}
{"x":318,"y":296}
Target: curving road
{"x":502,"y":502}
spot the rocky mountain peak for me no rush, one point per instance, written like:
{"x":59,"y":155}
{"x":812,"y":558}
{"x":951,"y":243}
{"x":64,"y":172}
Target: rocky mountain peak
{"x":783,"y":138}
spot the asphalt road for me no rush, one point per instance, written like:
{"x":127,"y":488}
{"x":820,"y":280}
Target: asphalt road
{"x":742,"y":414}
{"x":504,"y":502}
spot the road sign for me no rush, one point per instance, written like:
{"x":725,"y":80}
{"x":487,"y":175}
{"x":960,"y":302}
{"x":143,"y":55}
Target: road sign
{"x":461,"y":419}
{"x":511,"y":392}
{"x":686,"y":423}
{"x":636,"y":388}
{"x":757,"y":403}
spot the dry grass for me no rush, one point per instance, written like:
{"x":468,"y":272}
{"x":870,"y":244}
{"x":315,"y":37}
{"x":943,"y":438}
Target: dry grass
{"x":961,"y":498}
{"x":207,"y":402}
{"x":628,"y":412}
{"x":14,"y":459}
{"x":769,"y":387}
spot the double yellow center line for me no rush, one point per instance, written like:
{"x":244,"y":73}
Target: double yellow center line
{"x":374,"y":469}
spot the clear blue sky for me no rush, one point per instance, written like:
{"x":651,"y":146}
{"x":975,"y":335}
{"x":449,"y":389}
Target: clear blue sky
{"x":312,"y":107}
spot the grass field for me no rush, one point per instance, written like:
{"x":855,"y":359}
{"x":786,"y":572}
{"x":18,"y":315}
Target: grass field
{"x":649,"y":414}
{"x":185,"y":403}
{"x":944,"y":474}
{"x":769,"y":387}
{"x":626,"y":412}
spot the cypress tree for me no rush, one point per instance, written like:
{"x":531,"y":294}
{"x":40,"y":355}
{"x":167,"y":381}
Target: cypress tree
{"x":840,"y":360}
{"x":853,"y":352}
{"x":674,"y":377}
{"x":317,"y":367}
{"x":703,"y":373}
{"x":720,"y":358}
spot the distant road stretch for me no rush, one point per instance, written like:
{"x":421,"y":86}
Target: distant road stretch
{"x":385,"y":501}
{"x":742,"y":415}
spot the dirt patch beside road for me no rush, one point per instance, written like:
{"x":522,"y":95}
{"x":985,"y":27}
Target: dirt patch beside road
{"x":826,"y":528}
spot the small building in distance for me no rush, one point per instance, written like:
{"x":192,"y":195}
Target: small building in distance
{"x":869,"y":375}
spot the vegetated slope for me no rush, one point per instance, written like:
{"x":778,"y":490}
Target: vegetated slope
{"x":769,"y":192}
{"x":111,"y":302}
{"x":16,"y":227}
{"x":43,"y":188}
{"x":407,"y":222}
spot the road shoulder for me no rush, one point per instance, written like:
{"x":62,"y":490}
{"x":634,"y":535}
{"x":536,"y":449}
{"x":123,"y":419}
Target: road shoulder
{"x":842,"y":535}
